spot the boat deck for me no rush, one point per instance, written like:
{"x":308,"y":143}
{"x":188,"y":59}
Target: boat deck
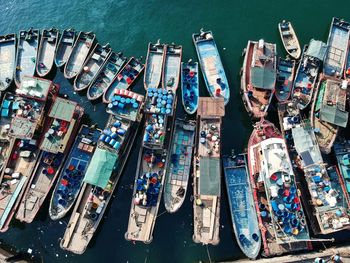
{"x":154,"y":68}
{"x":342,"y":151}
{"x":190,"y":86}
{"x":7,"y":62}
{"x":47,"y":50}
{"x":171,"y":74}
{"x":65,"y":47}
{"x":284,"y":82}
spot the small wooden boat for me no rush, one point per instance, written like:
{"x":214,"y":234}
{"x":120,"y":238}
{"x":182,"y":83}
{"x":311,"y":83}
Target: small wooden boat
{"x":106,"y":75}
{"x":81,"y":49}
{"x":7,"y":60}
{"x":46,"y":53}
{"x":71,"y":177}
{"x":189,"y":86}
{"x":171,"y":68}
{"x":289,"y":39}
{"x":92,"y":66}
{"x":258,"y":77}
{"x":342,"y":152}
{"x":154,"y":65}
{"x":27,"y":49}
{"x":347,"y":64}
{"x":65,"y":47}
{"x":337,"y":43}
{"x":124,"y":79}
{"x":285,"y":77}
{"x":211,"y":65}
{"x":243,"y":214}
{"x":178,"y":173}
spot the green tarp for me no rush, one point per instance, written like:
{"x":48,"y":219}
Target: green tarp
{"x":63,"y":109}
{"x":263,"y":78}
{"x":209,"y":176}
{"x":317,"y":49}
{"x":334,"y":115}
{"x":100,"y":168}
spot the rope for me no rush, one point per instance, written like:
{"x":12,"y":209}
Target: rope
{"x":162,"y":213}
{"x":208,"y":254}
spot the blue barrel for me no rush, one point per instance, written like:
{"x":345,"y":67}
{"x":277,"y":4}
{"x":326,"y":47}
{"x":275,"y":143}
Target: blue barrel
{"x":263,"y":214}
{"x":116,"y":145}
{"x":121,"y":131}
{"x":165,"y":97}
{"x":155,"y":95}
{"x":187,"y":102}
{"x":149,"y":128}
{"x":150,"y":94}
{"x":128,"y":100}
{"x":122,"y":100}
{"x":108,"y":139}
{"x":117,"y":124}
{"x":110,"y":105}
{"x":162,"y":111}
{"x":114,"y":103}
{"x":145,"y":137}
{"x":102,"y":137}
{"x":168,"y":111}
{"x":133,"y":100}
{"x":163,"y":102}
{"x":121,"y":105}
{"x":114,"y":135}
{"x":170,"y":96}
{"x":159,"y":105}
{"x":160,"y":91}
{"x":161,"y":121}
{"x":112,"y":142}
{"x":107,"y":132}
{"x":135,"y":105}
{"x":168,"y":106}
{"x":255,"y":237}
{"x":169,"y":101}
{"x":62,"y":202}
{"x":165,"y":92}
{"x":117,"y":98}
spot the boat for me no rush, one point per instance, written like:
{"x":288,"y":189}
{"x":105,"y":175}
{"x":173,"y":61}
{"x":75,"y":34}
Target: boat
{"x":342,"y":153}
{"x":211,"y":65}
{"x":104,"y":78}
{"x":171,"y":67}
{"x":102,"y":175}
{"x":46,"y":53}
{"x":190,"y":86}
{"x":289,"y":39}
{"x":124,"y":79}
{"x":347,"y":64}
{"x":307,"y":72}
{"x":65,"y":116}
{"x":285,"y":77}
{"x":71,"y":177}
{"x":328,"y":112}
{"x":64,"y":47}
{"x":207,"y":171}
{"x":7,"y":60}
{"x":92,"y":66}
{"x":240,"y":196}
{"x":337,"y":43}
{"x":178,"y":173}
{"x":289,"y":117}
{"x":81,"y":49}
{"x":258,"y":77}
{"x":154,"y":65}
{"x":27,"y":49}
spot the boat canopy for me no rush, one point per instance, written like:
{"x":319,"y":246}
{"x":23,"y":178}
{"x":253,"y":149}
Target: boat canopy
{"x":317,"y":49}
{"x":263,"y":78}
{"x":334,"y":115}
{"x":63,"y":109}
{"x":100,"y":168}
{"x":210,"y":176}
{"x":34,"y":87}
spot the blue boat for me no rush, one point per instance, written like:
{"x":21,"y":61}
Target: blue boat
{"x":211,"y":65}
{"x":342,"y":152}
{"x":243,"y":213}
{"x":71,"y":177}
{"x":190,"y":86}
{"x":285,"y":77}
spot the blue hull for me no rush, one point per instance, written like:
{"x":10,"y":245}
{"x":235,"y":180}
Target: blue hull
{"x":189,"y":86}
{"x":342,"y":152}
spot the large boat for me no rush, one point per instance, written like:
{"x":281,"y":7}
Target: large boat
{"x":171,"y":68}
{"x":190,"y":86}
{"x":240,"y":196}
{"x":81,"y":49}
{"x":337,"y":43}
{"x":27,"y":49}
{"x":92,"y":67}
{"x":46,"y":54}
{"x":154,"y":65}
{"x":124,"y":79}
{"x":211,"y":65}
{"x":258,"y":77}
{"x":65,"y":118}
{"x":102,"y":175}
{"x":178,"y":173}
{"x":207,"y":171}
{"x":64,"y":47}
{"x":328,"y":112}
{"x":342,"y":152}
{"x":307,"y":72}
{"x":285,"y":77}
{"x":7,"y":60}
{"x":289,"y":39}
{"x":106,"y":75}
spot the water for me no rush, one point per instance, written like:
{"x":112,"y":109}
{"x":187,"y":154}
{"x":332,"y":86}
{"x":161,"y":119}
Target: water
{"x":128,"y":26}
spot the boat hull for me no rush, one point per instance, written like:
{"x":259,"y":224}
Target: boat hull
{"x":289,"y":39}
{"x":7,"y":60}
{"x":154,"y":65}
{"x":189,"y":87}
{"x":46,"y":53}
{"x":64,"y":47}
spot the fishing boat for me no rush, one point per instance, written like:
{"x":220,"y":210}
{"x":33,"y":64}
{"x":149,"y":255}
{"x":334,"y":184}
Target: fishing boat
{"x":46,"y":54}
{"x":289,"y":39}
{"x":103,"y":174}
{"x":289,"y":117}
{"x":124,"y":79}
{"x":285,"y":77}
{"x":64,"y":47}
{"x":342,"y":152}
{"x":65,"y":118}
{"x":211,"y":65}
{"x":104,"y":78}
{"x":92,"y":66}
{"x":171,"y":68}
{"x":347,"y":64}
{"x":328,"y":112}
{"x":243,"y":214}
{"x":81,"y":49}
{"x":337,"y":43}
{"x":154,"y":65}
{"x":207,"y":171}
{"x":189,"y":86}
{"x":176,"y":178}
{"x":258,"y":77}
{"x":7,"y":60}
{"x":307,"y":72}
{"x":27,"y":49}
{"x":276,"y":197}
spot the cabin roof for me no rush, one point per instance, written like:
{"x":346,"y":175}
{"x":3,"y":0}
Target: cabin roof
{"x":63,"y":109}
{"x":34,"y":87}
{"x":210,"y":176}
{"x":317,"y":49}
{"x":334,"y":115}
{"x":263,"y":78}
{"x":211,"y":107}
